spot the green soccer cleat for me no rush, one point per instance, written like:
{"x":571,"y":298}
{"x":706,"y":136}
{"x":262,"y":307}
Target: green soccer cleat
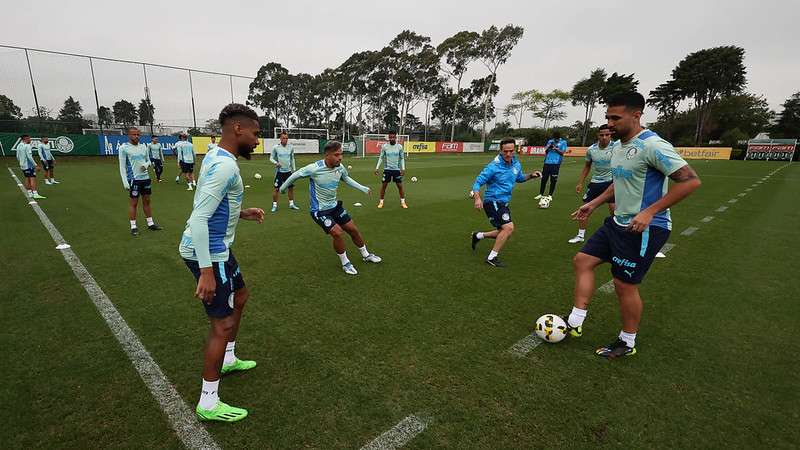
{"x":237,"y":365}
{"x":38,"y":197}
{"x":222,"y":412}
{"x":575,"y":332}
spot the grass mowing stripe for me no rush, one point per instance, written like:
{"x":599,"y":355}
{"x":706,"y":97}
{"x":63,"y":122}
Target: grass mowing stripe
{"x":525,"y":345}
{"x":182,"y":419}
{"x":399,"y":435}
{"x":689,"y":231}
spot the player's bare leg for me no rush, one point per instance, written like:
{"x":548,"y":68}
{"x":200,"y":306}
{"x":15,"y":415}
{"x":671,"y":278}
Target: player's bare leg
{"x":383,"y":193}
{"x":630,"y":305}
{"x":402,"y":195}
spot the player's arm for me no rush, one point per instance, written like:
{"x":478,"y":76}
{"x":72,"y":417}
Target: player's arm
{"x":523,"y":177}
{"x":584,"y":173}
{"x":273,"y":158}
{"x":586,"y":209}
{"x":402,"y":161}
{"x":560,"y":148}
{"x":40,"y":152}
{"x":205,"y":205}
{"x":380,"y":159}
{"x":123,"y":170}
{"x":302,"y":173}
{"x":354,"y":184}
{"x":294,"y":164}
{"x":482,"y":178}
{"x":685,"y":182}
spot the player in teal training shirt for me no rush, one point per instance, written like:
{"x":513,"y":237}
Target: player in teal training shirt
{"x":134,"y":159}
{"x":598,"y":161}
{"x":394,"y":158}
{"x":156,"y":157}
{"x":206,"y":250}
{"x":282,"y":155}
{"x":48,"y":162}
{"x":641,"y":162}
{"x":326,"y":209}
{"x":185,"y":153}
{"x":28,"y":166}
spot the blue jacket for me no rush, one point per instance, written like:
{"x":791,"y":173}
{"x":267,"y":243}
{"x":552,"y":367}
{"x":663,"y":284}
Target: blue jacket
{"x":553,"y":157}
{"x":499,"y":178}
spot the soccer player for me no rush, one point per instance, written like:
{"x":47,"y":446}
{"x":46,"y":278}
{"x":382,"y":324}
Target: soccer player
{"x":500,"y":176}
{"x":282,"y":155}
{"x":553,"y":155}
{"x":641,"y":163}
{"x":393,"y":155}
{"x":598,"y":160}
{"x":48,"y":162}
{"x":156,"y":157}
{"x":206,"y":250}
{"x":28,"y":166}
{"x":326,"y":211}
{"x":185,"y":153}
{"x":213,"y":143}
{"x":133,"y":162}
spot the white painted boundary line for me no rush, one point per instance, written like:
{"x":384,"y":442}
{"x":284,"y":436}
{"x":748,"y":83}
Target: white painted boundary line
{"x":525,"y":345}
{"x":733,"y":200}
{"x":742,"y":194}
{"x":722,"y":209}
{"x":399,"y":435}
{"x":180,"y":416}
{"x":707,"y":219}
{"x":689,"y":231}
{"x":608,"y":286}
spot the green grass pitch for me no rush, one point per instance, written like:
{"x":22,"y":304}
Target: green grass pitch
{"x":427,"y":332}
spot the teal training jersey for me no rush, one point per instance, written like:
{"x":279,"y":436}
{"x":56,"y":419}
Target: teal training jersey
{"x":284,"y":156}
{"x":133,"y":163}
{"x":44,"y":151}
{"x":323,"y":184}
{"x":25,"y":156}
{"x":185,"y":151}
{"x":155,"y":151}
{"x":211,"y":146}
{"x":601,"y":162}
{"x":640,"y":169}
{"x":211,"y":227}
{"x":394,"y":157}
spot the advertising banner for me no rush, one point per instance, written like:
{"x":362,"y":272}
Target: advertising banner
{"x":68,"y":144}
{"x":576,"y":152}
{"x":420,"y":147}
{"x":299,"y":145}
{"x":449,"y":147}
{"x":704,"y":152}
{"x":373,"y":147}
{"x":771,"y":149}
{"x":535,"y":150}
{"x":473,"y":147}
{"x":109,"y":145}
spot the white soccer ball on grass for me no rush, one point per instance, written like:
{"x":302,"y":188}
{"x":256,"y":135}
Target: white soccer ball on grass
{"x":349,"y":167}
{"x":414,"y":179}
{"x":544,"y":202}
{"x":551,"y":328}
{"x":257,"y":176}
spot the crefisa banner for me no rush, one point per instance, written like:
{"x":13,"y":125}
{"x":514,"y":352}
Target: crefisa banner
{"x":299,"y":145}
{"x":109,"y":145}
{"x":771,"y":149}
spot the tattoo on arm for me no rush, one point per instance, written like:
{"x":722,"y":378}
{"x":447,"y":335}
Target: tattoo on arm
{"x":685,"y":173}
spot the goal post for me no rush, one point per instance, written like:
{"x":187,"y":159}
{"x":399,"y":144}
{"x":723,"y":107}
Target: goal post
{"x":370,"y":144}
{"x":303,"y":133}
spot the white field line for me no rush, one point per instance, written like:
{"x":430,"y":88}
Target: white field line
{"x":689,"y":231}
{"x":707,"y":219}
{"x":733,"y":200}
{"x":399,"y":435}
{"x":742,"y":194}
{"x":722,"y":209}
{"x":525,"y":345}
{"x":180,"y":416}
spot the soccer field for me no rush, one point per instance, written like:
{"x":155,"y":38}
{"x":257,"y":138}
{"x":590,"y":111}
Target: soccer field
{"x":428,"y":332}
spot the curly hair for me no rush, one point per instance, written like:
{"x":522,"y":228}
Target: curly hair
{"x":236,"y":110}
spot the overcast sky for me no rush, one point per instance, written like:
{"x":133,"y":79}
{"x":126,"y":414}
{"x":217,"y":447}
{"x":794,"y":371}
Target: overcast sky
{"x":563,"y":41}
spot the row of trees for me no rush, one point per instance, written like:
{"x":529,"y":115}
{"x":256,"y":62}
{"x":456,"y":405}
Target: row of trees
{"x":375,"y":90}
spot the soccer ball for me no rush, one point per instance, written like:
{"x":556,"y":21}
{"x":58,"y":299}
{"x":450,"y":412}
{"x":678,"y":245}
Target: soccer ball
{"x":349,"y":167}
{"x":551,"y":328}
{"x":414,"y":179}
{"x":544,"y":202}
{"x":258,"y":176}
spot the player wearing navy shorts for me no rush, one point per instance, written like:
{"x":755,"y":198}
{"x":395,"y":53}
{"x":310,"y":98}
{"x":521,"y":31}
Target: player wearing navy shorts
{"x":598,"y":160}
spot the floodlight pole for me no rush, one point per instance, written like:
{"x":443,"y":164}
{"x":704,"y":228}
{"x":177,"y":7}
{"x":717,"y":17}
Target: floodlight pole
{"x":191,"y":92}
{"x":147,"y":97}
{"x":231,"y":80}
{"x":33,"y":86}
{"x":96,"y":100}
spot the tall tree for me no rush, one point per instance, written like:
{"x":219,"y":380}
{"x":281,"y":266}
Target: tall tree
{"x":416,"y":63}
{"x":266,"y":89}
{"x":71,"y":115}
{"x":708,"y":74}
{"x":523,"y":102}
{"x":8,"y":110}
{"x":666,"y":98}
{"x":494,"y":48}
{"x":551,"y":108}
{"x":618,"y":83}
{"x":125,"y":113}
{"x":146,"y":112}
{"x":788,"y":124}
{"x":455,"y":55}
{"x":105,"y":117}
{"x":586,"y":92}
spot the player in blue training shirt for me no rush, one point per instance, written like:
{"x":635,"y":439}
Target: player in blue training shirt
{"x":641,"y":163}
{"x":553,"y":155}
{"x":206,"y":250}
{"x":500,"y":176}
{"x":28,"y":166}
{"x":134,"y":160}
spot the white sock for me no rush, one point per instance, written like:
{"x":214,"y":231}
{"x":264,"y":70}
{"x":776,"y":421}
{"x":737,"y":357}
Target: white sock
{"x":380,"y":201}
{"x":150,"y":221}
{"x":274,"y":204}
{"x":35,"y":192}
{"x":343,"y":257}
{"x":576,"y":317}
{"x":177,"y":178}
{"x":209,"y":395}
{"x":230,"y":355}
{"x":364,"y":251}
{"x":30,"y":192}
{"x":479,"y":235}
{"x":402,"y":200}
{"x":628,"y":338}
{"x":133,"y":224}
{"x":189,"y":184}
{"x":52,"y":179}
{"x":291,"y":202}
{"x":581,"y":233}
{"x":492,"y":255}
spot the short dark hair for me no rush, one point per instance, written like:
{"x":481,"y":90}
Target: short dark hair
{"x":603,"y":127}
{"x":131,"y":128}
{"x":236,"y":110}
{"x":332,"y":146}
{"x":630,"y":100}
{"x":283,"y":133}
{"x":24,"y":136}
{"x":391,"y":133}
{"x":556,"y":135}
{"x":507,"y":141}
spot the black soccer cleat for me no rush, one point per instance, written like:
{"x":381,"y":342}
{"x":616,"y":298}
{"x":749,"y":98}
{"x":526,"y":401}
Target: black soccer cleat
{"x":615,"y":350}
{"x":475,"y":240}
{"x":154,"y":227}
{"x":134,"y":231}
{"x":495,"y":262}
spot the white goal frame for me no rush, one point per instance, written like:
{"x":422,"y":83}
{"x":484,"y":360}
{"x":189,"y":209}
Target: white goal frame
{"x":318,"y":132}
{"x":361,"y":151}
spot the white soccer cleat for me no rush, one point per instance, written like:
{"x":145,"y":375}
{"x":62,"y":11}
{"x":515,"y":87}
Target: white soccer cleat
{"x":55,"y":182}
{"x":189,"y":188}
{"x":373,"y":258}
{"x":660,"y":255}
{"x":538,"y":197}
{"x":349,"y":269}
{"x":575,"y":240}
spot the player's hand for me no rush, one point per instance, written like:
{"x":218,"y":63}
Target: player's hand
{"x":38,"y":168}
{"x":206,"y":285}
{"x":369,"y":192}
{"x":256,"y":214}
{"x":402,"y":173}
{"x":536,"y":174}
{"x":278,"y":165}
{"x":376,"y":172}
{"x":583,"y":212}
{"x":579,"y":188}
{"x":478,"y":202}
{"x":640,"y":222}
